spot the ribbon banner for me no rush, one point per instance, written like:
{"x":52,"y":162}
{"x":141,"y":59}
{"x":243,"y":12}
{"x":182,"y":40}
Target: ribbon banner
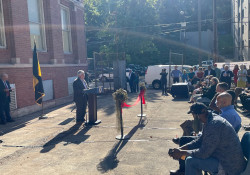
{"x":139,"y":98}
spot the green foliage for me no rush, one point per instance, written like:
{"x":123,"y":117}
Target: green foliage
{"x":137,"y":28}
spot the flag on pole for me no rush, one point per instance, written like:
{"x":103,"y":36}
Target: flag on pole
{"x":37,"y":78}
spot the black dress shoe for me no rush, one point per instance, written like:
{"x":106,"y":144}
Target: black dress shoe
{"x":176,"y":140}
{"x":177,"y":172}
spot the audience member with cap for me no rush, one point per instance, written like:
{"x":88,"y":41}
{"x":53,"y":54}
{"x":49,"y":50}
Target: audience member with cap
{"x":218,"y":146}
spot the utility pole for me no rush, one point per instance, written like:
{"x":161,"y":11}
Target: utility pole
{"x":199,"y":29}
{"x":215,"y":39}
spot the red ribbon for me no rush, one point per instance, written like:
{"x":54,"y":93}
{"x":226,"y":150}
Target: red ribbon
{"x":140,"y":96}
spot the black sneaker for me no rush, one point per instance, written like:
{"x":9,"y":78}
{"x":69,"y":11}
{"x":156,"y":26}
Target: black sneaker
{"x":176,"y":140}
{"x":177,"y":172}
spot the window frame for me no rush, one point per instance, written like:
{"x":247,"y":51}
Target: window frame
{"x":2,"y":29}
{"x":41,"y":26}
{"x":69,"y":31}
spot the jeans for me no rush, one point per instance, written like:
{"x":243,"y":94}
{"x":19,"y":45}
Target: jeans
{"x":194,"y":166}
{"x":183,"y":141}
{"x":164,"y":87}
{"x":176,"y":80}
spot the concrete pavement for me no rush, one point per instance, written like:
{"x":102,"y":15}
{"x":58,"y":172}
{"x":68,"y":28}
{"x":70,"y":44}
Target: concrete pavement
{"x":58,"y":146}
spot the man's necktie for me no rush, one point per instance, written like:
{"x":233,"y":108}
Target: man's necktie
{"x":6,"y":86}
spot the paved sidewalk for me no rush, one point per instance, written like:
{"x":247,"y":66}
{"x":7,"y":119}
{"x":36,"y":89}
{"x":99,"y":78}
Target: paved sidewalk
{"x":58,"y":146}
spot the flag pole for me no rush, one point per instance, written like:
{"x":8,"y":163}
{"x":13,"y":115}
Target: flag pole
{"x":43,"y":116}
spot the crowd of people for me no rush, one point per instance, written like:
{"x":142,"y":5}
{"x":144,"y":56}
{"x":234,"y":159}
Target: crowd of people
{"x":212,"y":145}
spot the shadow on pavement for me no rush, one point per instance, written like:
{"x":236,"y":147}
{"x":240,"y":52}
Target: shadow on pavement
{"x":75,"y":135}
{"x":110,"y":162}
{"x":23,"y":121}
{"x":180,"y":99}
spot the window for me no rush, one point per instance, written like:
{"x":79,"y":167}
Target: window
{"x":242,"y":29}
{"x":36,"y":23}
{"x":66,"y":33}
{"x":2,"y":33}
{"x":242,"y":13}
{"x":243,"y":44}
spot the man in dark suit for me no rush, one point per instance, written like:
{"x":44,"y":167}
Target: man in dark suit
{"x":226,"y":76}
{"x":80,"y":98}
{"x":131,"y":78}
{"x":5,"y":90}
{"x":210,"y":71}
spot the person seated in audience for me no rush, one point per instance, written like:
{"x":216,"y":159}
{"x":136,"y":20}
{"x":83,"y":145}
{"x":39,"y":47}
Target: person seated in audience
{"x":221,"y":87}
{"x":218,"y":146}
{"x":197,"y":90}
{"x":207,"y":93}
{"x":224,"y":102}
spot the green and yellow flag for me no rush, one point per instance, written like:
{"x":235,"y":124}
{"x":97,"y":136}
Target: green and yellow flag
{"x":37,"y":78}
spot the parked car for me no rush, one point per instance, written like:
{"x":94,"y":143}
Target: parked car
{"x":110,"y":76}
{"x":152,"y":76}
{"x":207,"y":63}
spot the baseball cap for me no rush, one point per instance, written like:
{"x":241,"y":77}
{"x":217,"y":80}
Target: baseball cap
{"x":197,"y":108}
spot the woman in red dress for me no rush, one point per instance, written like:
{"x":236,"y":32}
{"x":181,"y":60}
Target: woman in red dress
{"x":235,"y":72}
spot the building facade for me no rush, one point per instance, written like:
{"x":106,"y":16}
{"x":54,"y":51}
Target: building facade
{"x":57,"y":27}
{"x":241,"y":29}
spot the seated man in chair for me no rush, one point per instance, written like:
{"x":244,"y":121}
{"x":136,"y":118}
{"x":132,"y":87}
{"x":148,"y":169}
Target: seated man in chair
{"x":218,"y":145}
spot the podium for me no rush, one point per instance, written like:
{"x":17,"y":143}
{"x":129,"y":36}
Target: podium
{"x":92,"y":104}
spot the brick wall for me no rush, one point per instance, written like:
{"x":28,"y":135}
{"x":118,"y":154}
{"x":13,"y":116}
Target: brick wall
{"x":18,"y":46}
{"x":23,"y":79}
{"x":18,"y":34}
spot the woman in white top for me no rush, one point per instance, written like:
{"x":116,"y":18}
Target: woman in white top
{"x":242,"y":77}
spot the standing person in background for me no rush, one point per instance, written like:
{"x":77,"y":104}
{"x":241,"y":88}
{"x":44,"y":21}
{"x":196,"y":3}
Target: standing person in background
{"x":5,"y":90}
{"x":131,"y":78}
{"x":164,"y":81}
{"x":209,"y":71}
{"x":242,"y":77}
{"x":136,"y":82}
{"x":191,"y":76}
{"x":195,"y":70}
{"x":248,"y":77}
{"x":235,"y":72}
{"x":223,"y":68}
{"x":176,"y":74}
{"x":226,"y":76}
{"x":87,"y":77}
{"x":184,"y":76}
{"x":217,"y":71}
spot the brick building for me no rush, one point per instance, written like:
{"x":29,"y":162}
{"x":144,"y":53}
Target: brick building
{"x":57,"y":26}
